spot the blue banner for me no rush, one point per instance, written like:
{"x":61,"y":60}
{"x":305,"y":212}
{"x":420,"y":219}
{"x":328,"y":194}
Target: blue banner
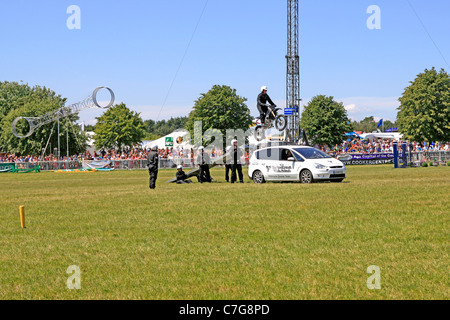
{"x":366,"y":158}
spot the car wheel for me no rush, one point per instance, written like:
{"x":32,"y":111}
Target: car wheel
{"x":258,"y":177}
{"x":306,"y":176}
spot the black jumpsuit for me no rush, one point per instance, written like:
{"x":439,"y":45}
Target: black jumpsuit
{"x":181,"y":177}
{"x":261,"y":101}
{"x":227,"y":172}
{"x":203,"y":160}
{"x":152,"y":163}
{"x":236,"y":165}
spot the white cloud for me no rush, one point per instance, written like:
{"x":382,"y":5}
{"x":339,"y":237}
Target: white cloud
{"x":352,"y":109}
{"x":379,"y":107}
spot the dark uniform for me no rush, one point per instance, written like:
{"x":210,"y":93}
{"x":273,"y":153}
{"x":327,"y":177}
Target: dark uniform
{"x":227,"y":172}
{"x":203,"y":160}
{"x":228,"y":163}
{"x":261,"y":101}
{"x":181,"y":177}
{"x":152,"y":163}
{"x":236,"y":155}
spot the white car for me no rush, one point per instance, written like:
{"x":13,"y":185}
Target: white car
{"x":294,"y":163}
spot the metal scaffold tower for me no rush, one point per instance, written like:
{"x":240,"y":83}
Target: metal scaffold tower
{"x":292,"y":111}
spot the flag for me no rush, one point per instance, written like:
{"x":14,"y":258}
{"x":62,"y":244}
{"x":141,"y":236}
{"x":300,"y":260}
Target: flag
{"x":380,"y":123}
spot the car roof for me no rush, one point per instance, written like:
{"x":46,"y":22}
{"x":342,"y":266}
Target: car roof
{"x":287,"y":147}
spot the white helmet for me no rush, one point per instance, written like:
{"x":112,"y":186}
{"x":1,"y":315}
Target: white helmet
{"x":233,"y":141}
{"x":179,"y":166}
{"x":263,"y":88}
{"x":201,"y":148}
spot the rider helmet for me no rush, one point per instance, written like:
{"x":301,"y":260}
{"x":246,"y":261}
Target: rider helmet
{"x":263,"y":88}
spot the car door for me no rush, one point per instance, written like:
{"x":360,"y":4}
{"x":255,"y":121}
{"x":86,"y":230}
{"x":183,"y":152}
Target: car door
{"x":268,"y":159}
{"x":286,"y":168}
{"x":299,"y":164}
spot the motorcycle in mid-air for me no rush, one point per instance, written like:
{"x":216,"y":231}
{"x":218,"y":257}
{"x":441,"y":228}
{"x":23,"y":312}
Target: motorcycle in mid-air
{"x":272,"y":117}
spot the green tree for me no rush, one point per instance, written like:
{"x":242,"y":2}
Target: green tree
{"x":220,"y":108}
{"x":368,"y":124}
{"x":325,"y":121}
{"x":19,"y":100}
{"x":89,"y":127}
{"x":157,"y":129}
{"x":119,"y":127}
{"x":424,"y":112}
{"x":12,"y":95}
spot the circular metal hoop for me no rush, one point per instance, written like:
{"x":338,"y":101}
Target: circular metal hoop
{"x":36,"y":122}
{"x":94,"y":97}
{"x":14,"y":129}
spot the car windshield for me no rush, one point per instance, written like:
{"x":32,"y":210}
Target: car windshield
{"x":312,"y":153}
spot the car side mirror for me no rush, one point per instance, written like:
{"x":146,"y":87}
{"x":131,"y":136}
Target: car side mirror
{"x":291,"y":159}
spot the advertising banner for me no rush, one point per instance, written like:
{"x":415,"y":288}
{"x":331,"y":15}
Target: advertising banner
{"x":7,"y":167}
{"x":366,"y":159}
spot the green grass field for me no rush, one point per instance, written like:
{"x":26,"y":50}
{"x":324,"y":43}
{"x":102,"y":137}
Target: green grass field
{"x":223,"y":241}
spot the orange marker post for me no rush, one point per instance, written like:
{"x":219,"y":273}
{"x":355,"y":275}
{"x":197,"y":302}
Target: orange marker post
{"x":22,"y":216}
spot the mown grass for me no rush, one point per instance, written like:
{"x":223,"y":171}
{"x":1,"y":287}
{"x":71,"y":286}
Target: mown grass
{"x":223,"y":241}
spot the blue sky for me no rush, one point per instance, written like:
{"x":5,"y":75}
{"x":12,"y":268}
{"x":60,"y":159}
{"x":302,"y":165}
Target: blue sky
{"x":148,"y":53}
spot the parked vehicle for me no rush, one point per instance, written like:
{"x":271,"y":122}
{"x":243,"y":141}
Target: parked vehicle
{"x":294,"y":163}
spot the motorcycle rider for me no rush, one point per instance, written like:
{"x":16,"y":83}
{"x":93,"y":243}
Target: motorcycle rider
{"x":152,"y":164}
{"x":262,"y":100}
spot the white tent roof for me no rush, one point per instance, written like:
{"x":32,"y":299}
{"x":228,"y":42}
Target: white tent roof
{"x":382,"y":135}
{"x":161,"y":142}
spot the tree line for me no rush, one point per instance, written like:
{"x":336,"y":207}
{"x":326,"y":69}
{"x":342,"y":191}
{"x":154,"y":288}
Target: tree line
{"x":157,"y":129}
{"x":423,"y":115}
{"x":368,"y":124}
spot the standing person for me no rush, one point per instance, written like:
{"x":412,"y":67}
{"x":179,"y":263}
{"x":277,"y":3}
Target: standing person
{"x":182,"y":176}
{"x":261,"y":101}
{"x":228,"y":164}
{"x":152,"y":163}
{"x":236,"y":155}
{"x":203,"y":163}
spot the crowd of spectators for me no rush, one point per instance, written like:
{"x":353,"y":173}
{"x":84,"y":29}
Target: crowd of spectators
{"x":131,"y":154}
{"x":188,"y":155}
{"x":357,"y":145}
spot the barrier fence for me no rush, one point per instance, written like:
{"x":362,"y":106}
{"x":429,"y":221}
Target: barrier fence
{"x":442,"y":156}
{"x":348,"y":159}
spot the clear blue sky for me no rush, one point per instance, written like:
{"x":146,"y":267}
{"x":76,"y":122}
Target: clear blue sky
{"x":136,"y":48}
